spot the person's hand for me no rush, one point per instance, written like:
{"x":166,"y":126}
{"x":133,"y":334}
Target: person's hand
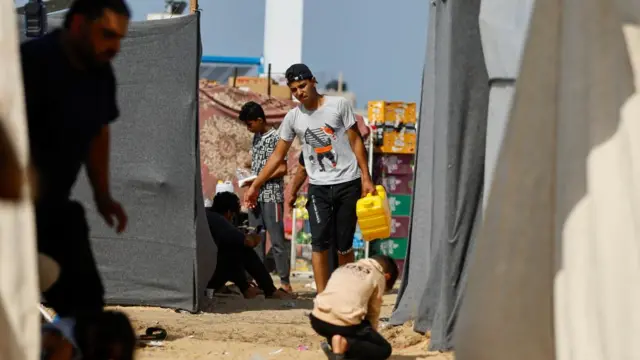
{"x":292,"y":201}
{"x":110,"y":209}
{"x":252,"y":241}
{"x":251,"y":197}
{"x":247,"y":183}
{"x":368,"y":188}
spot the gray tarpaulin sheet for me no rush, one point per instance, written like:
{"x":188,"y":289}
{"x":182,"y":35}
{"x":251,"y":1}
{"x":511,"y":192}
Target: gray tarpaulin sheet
{"x":556,"y":266}
{"x":450,"y":171}
{"x":166,"y":255}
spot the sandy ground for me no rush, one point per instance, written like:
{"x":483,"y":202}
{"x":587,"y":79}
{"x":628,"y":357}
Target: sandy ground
{"x":235,"y":328}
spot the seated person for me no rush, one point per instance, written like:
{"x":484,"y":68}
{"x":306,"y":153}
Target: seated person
{"x":235,"y":251}
{"x":107,"y":336}
{"x":346,"y":312}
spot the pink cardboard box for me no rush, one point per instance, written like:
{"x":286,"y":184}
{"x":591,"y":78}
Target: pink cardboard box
{"x":396,"y":164}
{"x":398,"y":184}
{"x":400,"y":226}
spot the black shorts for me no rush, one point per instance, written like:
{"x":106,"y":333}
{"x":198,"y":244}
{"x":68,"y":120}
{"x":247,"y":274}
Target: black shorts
{"x":332,"y":211}
{"x":63,"y":234}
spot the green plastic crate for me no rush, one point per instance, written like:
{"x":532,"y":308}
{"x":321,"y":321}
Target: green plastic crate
{"x":400,"y":205}
{"x":394,"y":247}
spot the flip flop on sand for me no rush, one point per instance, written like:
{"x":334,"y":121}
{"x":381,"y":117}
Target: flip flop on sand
{"x":153,"y":334}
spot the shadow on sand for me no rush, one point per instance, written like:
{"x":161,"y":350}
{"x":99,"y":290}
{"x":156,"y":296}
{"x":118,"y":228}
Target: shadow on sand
{"x":237,"y":304}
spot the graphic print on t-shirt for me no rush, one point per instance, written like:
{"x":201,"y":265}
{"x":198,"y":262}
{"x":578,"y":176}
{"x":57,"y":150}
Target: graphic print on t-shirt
{"x":321,"y":141}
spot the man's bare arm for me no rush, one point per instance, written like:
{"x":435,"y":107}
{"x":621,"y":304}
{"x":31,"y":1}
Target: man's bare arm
{"x":98,"y":164}
{"x":12,"y":174}
{"x":281,"y":170}
{"x":298,"y":180}
{"x":357,"y":145}
{"x":373,"y":310}
{"x":275,"y":161}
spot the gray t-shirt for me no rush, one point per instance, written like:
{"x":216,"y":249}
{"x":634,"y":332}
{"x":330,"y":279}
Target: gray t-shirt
{"x":328,"y":157}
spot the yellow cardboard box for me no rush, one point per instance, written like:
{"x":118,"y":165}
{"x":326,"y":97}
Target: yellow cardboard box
{"x":390,"y":112}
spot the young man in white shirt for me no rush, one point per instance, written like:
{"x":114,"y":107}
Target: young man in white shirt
{"x":335,"y":161}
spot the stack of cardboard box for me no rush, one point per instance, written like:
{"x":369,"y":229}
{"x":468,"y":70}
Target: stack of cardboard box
{"x":395,"y":146}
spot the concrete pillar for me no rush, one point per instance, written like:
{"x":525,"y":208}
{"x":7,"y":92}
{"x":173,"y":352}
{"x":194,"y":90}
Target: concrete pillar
{"x":283,"y":34}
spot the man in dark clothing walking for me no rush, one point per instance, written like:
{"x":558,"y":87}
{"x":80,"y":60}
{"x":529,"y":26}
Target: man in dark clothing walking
{"x":70,"y":95}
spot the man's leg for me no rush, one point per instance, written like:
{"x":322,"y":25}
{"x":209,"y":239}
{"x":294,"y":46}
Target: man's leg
{"x":333,"y":260}
{"x":63,"y":234}
{"x":221,"y":275}
{"x":320,"y":221}
{"x":346,"y":196}
{"x":255,"y":267}
{"x":256,"y":218}
{"x":237,"y":271}
{"x":281,"y":248}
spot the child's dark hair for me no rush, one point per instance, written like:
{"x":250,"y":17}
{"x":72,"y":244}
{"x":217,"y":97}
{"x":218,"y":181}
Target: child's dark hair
{"x":252,"y":111}
{"x":108,"y":335}
{"x":390,"y":267}
{"x":226,"y":201}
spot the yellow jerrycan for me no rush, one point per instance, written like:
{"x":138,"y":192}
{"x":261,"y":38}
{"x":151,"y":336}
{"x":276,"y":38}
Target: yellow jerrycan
{"x":374,"y":216}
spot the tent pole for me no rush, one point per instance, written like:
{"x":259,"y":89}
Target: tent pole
{"x":293,"y":239}
{"x":371,"y":131}
{"x":235,"y":76}
{"x":193,"y":4}
{"x":269,"y":82}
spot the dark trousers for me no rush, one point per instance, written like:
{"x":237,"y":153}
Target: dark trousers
{"x":63,"y":234}
{"x":364,"y":341}
{"x":269,"y":215}
{"x":231,"y":266}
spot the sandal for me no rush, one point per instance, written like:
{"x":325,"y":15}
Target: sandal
{"x":153,"y":334}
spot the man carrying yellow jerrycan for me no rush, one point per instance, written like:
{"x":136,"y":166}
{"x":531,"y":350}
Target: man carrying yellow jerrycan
{"x":335,"y":161}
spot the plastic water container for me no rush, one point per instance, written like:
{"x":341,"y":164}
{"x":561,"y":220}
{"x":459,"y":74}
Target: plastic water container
{"x":374,"y":216}
{"x":226,"y":186}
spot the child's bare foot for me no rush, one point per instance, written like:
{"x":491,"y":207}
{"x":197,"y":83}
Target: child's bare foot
{"x":339,"y":345}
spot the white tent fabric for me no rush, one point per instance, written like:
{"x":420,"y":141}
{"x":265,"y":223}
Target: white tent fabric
{"x":503,"y":28}
{"x":556,"y":267}
{"x":19,"y":317}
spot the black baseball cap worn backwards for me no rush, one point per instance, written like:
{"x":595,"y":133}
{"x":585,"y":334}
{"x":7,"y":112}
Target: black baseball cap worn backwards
{"x":298,"y":72}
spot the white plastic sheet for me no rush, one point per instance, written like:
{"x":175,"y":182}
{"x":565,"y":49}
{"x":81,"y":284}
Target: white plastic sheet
{"x":556,"y":269}
{"x":19,"y":316}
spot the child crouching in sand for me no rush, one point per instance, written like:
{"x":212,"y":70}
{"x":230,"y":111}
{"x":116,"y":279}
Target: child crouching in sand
{"x":346,"y":312}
